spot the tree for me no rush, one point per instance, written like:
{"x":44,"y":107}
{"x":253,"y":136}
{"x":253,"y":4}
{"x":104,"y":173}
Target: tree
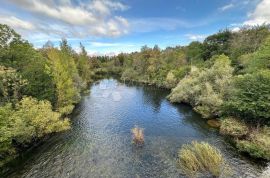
{"x":28,"y":63}
{"x":83,"y":65}
{"x":11,"y":85}
{"x":217,"y":44}
{"x":194,"y":51}
{"x":247,"y":40}
{"x":8,"y":36}
{"x":63,"y":70}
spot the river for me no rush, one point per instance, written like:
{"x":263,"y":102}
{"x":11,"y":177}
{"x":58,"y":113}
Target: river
{"x":100,"y":141}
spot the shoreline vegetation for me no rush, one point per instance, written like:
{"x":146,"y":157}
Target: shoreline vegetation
{"x":225,"y":77}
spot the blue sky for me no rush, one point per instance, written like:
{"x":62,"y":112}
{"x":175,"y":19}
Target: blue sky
{"x":113,"y":26}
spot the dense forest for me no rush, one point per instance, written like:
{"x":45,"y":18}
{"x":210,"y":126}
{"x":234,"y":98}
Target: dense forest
{"x":227,"y":76}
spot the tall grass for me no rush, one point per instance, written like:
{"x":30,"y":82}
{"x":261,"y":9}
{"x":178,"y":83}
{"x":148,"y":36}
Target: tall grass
{"x":138,"y":136}
{"x":201,"y":158}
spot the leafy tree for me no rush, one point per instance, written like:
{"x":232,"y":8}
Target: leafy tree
{"x":11,"y":85}
{"x":260,"y":59}
{"x":194,"y":51}
{"x":8,"y":36}
{"x":247,"y":40}
{"x":83,"y":65}
{"x":62,"y":68}
{"x":29,"y":63}
{"x":217,"y":44}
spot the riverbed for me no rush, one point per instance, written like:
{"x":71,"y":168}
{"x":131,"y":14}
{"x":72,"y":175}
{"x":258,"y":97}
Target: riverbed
{"x":100,"y":141}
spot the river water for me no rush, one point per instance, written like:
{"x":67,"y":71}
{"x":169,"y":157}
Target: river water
{"x":100,"y":141}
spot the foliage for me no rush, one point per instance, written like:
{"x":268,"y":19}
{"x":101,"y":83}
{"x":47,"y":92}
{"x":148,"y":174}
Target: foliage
{"x":11,"y":85}
{"x":29,"y":119}
{"x":201,"y":158}
{"x":233,"y":127}
{"x":217,"y":44}
{"x":194,"y":51}
{"x":28,"y":62}
{"x":250,"y":98}
{"x":205,"y":89}
{"x":63,"y":70}
{"x":7,"y":36}
{"x":171,"y":80}
{"x":83,"y":65}
{"x":258,"y":144}
{"x":247,"y":40}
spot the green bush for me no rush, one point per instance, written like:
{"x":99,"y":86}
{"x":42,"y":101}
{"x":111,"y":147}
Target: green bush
{"x":233,"y":127}
{"x":258,"y":144}
{"x":250,"y":98}
{"x":28,"y":120}
{"x":201,"y":158}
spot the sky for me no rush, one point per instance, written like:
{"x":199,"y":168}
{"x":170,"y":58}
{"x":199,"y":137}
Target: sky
{"x":113,"y":26}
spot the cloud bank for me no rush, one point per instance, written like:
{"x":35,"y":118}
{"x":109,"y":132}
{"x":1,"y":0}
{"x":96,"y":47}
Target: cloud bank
{"x":67,"y":18}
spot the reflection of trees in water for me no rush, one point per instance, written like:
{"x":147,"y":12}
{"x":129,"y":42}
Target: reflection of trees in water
{"x":192,"y":118}
{"x":154,"y":96}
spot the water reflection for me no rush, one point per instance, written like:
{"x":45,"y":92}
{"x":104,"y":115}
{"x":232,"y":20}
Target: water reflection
{"x":100,"y":143}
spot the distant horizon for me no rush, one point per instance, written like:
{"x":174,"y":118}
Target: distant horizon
{"x":107,"y":27}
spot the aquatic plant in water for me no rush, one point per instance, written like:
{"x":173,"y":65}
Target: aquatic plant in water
{"x":138,"y":136}
{"x":202,"y":158}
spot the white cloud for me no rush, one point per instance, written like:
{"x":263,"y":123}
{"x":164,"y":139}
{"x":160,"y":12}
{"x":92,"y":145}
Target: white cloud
{"x":195,"y":37}
{"x":102,"y":44}
{"x":260,"y":15}
{"x":91,"y":18}
{"x":16,"y":22}
{"x":226,"y":7}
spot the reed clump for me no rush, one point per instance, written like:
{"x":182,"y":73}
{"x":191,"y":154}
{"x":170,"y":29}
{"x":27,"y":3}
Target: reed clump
{"x":138,"y":136}
{"x":201,"y":158}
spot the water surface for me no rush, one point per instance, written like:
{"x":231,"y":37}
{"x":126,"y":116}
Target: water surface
{"x":100,"y":142}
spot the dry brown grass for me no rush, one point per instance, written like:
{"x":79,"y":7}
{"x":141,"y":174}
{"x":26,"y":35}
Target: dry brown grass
{"x":138,"y":136}
{"x":201,"y":158}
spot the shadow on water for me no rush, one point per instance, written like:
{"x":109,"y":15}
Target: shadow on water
{"x":100,"y":142}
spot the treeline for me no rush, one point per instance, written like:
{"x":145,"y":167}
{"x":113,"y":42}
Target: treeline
{"x":227,"y":76}
{"x":38,"y":89}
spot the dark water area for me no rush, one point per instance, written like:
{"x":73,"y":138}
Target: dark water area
{"x":100,"y":141}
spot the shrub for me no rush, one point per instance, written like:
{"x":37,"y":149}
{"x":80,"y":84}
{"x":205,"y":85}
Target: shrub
{"x":258,"y":145}
{"x":171,"y":80}
{"x":250,"y":98}
{"x":138,"y":137}
{"x":201,"y":158}
{"x":233,"y":127}
{"x":205,"y":89}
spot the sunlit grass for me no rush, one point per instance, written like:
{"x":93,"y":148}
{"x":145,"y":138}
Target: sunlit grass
{"x":138,"y":136}
{"x":201,"y":158}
